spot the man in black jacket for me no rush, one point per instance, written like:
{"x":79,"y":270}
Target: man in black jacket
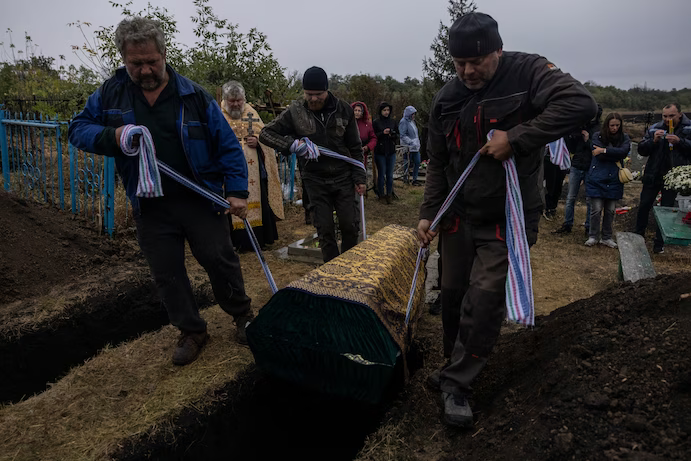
{"x":328,"y":122}
{"x":664,"y":151}
{"x":529,"y":102}
{"x":578,"y":143}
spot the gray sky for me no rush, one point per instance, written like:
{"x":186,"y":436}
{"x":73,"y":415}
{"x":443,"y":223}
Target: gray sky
{"x":613,"y":42}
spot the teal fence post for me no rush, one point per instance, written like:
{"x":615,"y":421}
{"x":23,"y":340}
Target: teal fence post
{"x":5,"y":153}
{"x":73,"y":189}
{"x":109,"y":206}
{"x":61,"y":179}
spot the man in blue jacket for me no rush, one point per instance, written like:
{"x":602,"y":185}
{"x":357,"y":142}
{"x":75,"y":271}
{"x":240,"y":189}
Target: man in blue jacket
{"x":664,"y":151}
{"x":191,"y":135}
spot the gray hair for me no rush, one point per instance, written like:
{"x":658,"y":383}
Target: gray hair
{"x":233,"y":89}
{"x":139,"y":30}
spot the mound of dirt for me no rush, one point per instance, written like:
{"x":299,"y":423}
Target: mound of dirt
{"x":41,"y":247}
{"x":604,"y":378}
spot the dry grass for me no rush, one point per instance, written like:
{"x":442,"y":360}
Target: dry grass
{"x":122,"y":392}
{"x":133,"y":389}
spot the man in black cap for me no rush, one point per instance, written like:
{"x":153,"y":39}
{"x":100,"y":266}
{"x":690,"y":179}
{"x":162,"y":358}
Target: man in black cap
{"x":328,"y":122}
{"x":529,"y":102}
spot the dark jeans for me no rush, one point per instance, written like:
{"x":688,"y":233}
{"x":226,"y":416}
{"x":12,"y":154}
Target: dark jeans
{"x":648,"y":195}
{"x":597,"y":205}
{"x":324,"y":199}
{"x":385,"y":167}
{"x":576,"y":177}
{"x":162,"y":228}
{"x":473,"y":290}
{"x":554,"y":179}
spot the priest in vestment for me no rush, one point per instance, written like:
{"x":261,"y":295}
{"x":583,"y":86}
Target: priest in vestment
{"x":265,"y":202}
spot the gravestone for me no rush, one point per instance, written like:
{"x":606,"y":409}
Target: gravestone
{"x":634,"y":259}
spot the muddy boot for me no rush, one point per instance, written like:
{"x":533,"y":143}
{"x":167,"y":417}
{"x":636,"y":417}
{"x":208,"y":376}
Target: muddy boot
{"x":240,"y":326}
{"x":457,"y":411}
{"x":188,"y":348}
{"x":389,"y":200}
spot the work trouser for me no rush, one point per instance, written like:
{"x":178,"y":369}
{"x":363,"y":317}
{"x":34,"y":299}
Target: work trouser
{"x":325,"y":197}
{"x":163,"y":225}
{"x":554,"y":180}
{"x":473,"y":290}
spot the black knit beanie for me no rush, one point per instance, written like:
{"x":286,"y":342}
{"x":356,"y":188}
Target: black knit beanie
{"x":473,"y":35}
{"x":315,"y":79}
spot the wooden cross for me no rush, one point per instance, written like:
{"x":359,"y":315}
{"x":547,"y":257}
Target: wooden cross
{"x":252,"y":182}
{"x":250,"y":161}
{"x":249,"y":120}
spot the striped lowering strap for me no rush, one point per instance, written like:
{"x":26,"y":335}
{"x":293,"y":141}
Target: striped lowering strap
{"x":559,"y":154}
{"x":309,"y":150}
{"x":519,"y":281}
{"x":150,"y":166}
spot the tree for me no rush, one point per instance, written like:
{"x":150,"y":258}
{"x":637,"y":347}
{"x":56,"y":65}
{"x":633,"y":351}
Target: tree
{"x":439,"y":68}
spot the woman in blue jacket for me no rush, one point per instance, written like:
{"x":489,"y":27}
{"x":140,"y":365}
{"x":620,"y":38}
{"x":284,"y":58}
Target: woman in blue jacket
{"x":610,"y":146}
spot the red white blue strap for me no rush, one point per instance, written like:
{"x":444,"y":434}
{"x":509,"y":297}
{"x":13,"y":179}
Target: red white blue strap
{"x":559,"y":154}
{"x":519,"y":285}
{"x":149,"y":182}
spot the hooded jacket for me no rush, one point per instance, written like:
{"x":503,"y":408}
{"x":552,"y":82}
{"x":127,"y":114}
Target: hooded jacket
{"x":602,"y":180}
{"x":386,"y":143}
{"x":660,"y":158}
{"x":529,"y":98}
{"x":408,"y":130}
{"x":364,"y":124}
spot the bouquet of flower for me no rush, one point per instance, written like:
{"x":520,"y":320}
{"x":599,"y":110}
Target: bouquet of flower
{"x":679,"y":179}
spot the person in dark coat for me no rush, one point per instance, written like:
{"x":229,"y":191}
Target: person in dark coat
{"x":578,"y":143}
{"x":528,"y":102}
{"x":386,"y":130}
{"x":664,"y":151}
{"x":610,"y":146}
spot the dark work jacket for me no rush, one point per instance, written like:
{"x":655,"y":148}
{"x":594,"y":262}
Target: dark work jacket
{"x":386,"y":143}
{"x":602,"y":180}
{"x":529,"y":98}
{"x":334,"y":127}
{"x":660,"y":158}
{"x":213,"y":152}
{"x":581,"y":150}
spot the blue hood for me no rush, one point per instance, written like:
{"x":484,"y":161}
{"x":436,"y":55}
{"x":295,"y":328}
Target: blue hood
{"x":409,"y":111}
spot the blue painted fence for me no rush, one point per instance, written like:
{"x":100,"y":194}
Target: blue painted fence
{"x":38,"y":163}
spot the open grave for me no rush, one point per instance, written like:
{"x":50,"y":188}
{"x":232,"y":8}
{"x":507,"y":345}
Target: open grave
{"x":606,"y":377}
{"x":66,"y":292}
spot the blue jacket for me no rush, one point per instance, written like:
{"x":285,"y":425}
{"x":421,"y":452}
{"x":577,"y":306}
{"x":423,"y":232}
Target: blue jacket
{"x":212,"y":150}
{"x":408,"y":130}
{"x":603,"y":177}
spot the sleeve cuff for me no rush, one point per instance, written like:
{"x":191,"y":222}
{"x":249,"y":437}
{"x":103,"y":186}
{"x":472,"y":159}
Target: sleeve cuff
{"x":238,"y":194}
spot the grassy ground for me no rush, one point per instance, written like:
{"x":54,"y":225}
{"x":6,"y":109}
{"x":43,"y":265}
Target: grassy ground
{"x":133,"y":388}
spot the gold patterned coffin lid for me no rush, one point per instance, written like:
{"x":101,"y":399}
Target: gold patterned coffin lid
{"x":378,"y":273}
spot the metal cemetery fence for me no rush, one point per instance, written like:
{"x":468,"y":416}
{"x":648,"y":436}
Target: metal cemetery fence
{"x":38,"y":163}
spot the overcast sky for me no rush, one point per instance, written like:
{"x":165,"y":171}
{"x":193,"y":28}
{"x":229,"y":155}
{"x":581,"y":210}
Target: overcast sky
{"x":613,"y":42}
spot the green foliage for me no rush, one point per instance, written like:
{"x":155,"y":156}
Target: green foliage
{"x":439,"y":68}
{"x":33,"y":77}
{"x":638,"y":98}
{"x":221,"y":52}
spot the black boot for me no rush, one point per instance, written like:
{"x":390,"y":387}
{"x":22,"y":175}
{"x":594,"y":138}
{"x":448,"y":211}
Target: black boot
{"x":564,"y":229}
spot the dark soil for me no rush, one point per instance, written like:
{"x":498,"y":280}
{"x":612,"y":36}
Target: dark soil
{"x":99,"y":289}
{"x":605,"y":378}
{"x":41,"y":247}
